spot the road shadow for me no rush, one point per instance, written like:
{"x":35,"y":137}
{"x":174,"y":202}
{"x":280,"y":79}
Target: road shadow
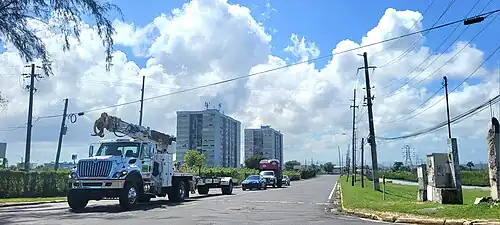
{"x":163,"y":203}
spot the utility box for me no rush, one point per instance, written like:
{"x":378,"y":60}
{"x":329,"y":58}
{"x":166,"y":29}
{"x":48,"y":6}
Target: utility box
{"x":422,"y":183}
{"x":439,"y":171}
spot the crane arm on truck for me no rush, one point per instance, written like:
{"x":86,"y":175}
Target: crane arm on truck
{"x":116,"y":125}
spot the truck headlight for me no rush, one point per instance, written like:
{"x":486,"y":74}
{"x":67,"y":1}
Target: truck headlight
{"x":120,"y":174}
{"x":72,"y":175}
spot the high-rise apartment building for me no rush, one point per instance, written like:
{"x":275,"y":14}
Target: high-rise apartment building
{"x":212,"y":133}
{"x":265,"y":141}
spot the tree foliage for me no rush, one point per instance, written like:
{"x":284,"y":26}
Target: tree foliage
{"x":328,"y":167}
{"x":470,"y":164}
{"x":252,"y":162}
{"x":194,"y":158}
{"x":290,"y":164}
{"x":14,"y":23}
{"x":14,"y":28}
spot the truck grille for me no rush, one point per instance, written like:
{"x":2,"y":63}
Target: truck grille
{"x":92,"y":168}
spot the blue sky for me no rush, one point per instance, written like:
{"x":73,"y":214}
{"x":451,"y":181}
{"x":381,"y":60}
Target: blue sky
{"x":327,"y":22}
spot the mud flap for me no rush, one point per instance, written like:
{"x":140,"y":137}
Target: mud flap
{"x":192,"y":185}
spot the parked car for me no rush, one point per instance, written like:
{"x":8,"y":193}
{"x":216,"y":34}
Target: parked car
{"x":254,"y":181}
{"x":285,"y":180}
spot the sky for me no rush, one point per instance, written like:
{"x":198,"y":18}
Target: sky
{"x":184,"y":44}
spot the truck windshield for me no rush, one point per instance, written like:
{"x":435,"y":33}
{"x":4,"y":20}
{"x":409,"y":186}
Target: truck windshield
{"x":267,"y":173}
{"x":127,"y":149}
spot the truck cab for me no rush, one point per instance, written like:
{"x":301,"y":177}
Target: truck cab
{"x":269,"y":177}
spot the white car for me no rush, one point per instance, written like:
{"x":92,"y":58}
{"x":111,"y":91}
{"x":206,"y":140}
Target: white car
{"x":286,"y":180}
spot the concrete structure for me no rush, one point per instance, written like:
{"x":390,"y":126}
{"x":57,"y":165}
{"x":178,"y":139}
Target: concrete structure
{"x":212,"y":133}
{"x":422,"y":183}
{"x":494,"y":158}
{"x":441,"y":184}
{"x":265,"y":141}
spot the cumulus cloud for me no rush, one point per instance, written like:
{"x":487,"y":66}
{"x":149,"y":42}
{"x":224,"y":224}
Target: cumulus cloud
{"x":209,"y":41}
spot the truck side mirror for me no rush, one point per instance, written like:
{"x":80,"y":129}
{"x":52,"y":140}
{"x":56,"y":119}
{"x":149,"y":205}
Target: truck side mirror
{"x":91,"y":151}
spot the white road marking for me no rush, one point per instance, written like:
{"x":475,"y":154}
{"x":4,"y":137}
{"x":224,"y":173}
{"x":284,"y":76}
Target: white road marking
{"x":333,"y":191}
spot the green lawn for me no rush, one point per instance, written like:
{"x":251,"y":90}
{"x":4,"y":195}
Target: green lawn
{"x":402,"y":199}
{"x":23,"y":200}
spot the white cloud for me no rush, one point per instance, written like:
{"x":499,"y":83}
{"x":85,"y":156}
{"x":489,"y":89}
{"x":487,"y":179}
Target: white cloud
{"x":210,"y":41}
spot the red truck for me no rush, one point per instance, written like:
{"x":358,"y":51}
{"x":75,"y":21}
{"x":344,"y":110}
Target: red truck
{"x":271,"y":170}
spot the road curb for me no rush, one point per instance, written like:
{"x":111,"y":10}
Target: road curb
{"x":30,"y":203}
{"x":407,"y":218}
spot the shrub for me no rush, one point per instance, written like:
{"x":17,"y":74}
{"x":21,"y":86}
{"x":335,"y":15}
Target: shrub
{"x":292,"y":174}
{"x":19,"y":184}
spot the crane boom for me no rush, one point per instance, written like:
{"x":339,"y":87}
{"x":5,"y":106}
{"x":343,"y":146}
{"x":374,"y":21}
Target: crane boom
{"x":116,"y":125}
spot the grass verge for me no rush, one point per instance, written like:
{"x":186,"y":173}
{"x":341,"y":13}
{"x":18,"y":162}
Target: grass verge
{"x":26,"y":200}
{"x":402,"y":199}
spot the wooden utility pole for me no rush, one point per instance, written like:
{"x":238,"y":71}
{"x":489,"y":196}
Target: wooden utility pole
{"x":353,"y":106}
{"x":447,"y":105}
{"x":371,"y":137}
{"x":347,"y":163}
{"x":362,"y":162}
{"x":142,"y":100}
{"x":32,"y":89}
{"x":62,"y":132}
{"x":340,"y":162}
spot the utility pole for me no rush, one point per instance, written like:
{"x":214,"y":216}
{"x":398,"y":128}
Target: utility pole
{"x":362,"y":162}
{"x":62,"y":132}
{"x":371,"y":137}
{"x":447,"y":105}
{"x":32,"y":89}
{"x":347,"y":163}
{"x":340,"y":161}
{"x":353,"y":106}
{"x":142,"y":100}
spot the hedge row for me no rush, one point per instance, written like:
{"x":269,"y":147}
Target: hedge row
{"x":18,"y":184}
{"x":469,"y":178}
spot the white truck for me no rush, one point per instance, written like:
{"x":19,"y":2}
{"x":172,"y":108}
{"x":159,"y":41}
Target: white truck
{"x":133,"y":169}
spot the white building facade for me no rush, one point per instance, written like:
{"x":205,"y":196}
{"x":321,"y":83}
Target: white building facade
{"x":214,"y":134}
{"x":265,"y":141}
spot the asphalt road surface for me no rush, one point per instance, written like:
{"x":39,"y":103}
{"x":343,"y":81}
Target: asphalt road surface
{"x":305,"y":202}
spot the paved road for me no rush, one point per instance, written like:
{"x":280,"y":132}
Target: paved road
{"x":302,"y":203}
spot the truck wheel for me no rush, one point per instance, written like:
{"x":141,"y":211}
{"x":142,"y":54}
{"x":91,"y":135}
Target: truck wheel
{"x":203,"y":190}
{"x":227,"y":190}
{"x":77,"y":201}
{"x":178,"y":192}
{"x":280,"y":183}
{"x":128,"y":196}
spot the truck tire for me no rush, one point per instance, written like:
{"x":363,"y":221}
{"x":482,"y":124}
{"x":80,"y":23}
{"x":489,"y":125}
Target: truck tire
{"x":280,"y":183}
{"x":128,"y":196}
{"x":178,"y":192}
{"x":77,"y":201}
{"x":227,"y":190}
{"x":203,"y":190}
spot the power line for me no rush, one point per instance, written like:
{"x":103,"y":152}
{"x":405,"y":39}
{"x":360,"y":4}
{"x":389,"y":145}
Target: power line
{"x":417,"y":108}
{"x":484,"y":15}
{"x":415,"y":43}
{"x":414,"y":24}
{"x":461,"y":83}
{"x":394,"y":92}
{"x":437,"y":48}
{"x":454,"y":120}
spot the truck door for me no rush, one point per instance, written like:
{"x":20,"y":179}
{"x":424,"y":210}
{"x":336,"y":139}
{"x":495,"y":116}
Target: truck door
{"x":146,"y":155}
